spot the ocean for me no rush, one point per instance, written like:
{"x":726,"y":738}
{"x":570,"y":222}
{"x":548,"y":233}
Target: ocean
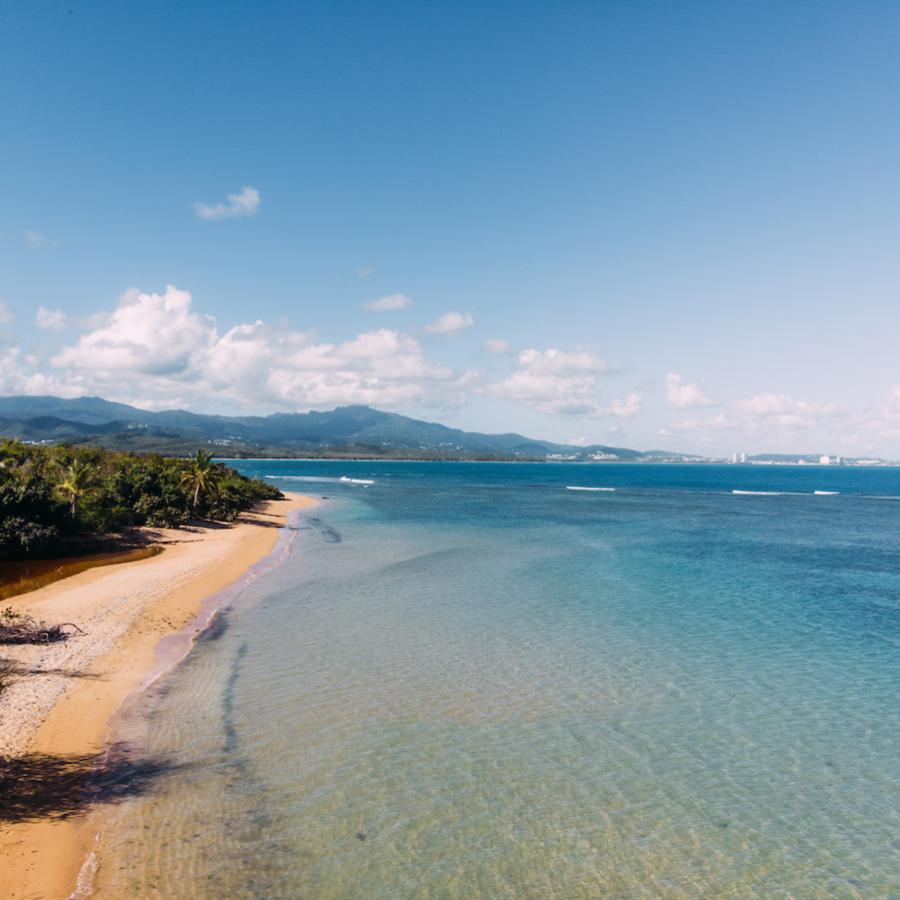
{"x":466,"y":680}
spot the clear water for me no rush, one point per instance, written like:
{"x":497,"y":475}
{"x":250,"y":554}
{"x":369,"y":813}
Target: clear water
{"x":468,"y":681}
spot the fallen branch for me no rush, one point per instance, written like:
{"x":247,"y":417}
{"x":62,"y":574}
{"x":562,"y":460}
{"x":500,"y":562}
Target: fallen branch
{"x":16,"y":628}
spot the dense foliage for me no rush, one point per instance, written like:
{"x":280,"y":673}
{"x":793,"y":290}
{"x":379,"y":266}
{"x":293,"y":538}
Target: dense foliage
{"x":51,"y":493}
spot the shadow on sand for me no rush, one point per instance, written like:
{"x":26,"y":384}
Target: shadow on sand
{"x":41,"y":786}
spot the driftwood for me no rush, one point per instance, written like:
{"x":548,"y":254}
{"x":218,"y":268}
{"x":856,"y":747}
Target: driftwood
{"x":21,"y":629}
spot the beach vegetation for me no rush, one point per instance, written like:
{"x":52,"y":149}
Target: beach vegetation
{"x":201,"y":476}
{"x":77,"y":479}
{"x":51,"y":496}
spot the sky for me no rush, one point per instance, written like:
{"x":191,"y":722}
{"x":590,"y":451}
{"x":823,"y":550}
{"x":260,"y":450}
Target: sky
{"x":641,"y":224}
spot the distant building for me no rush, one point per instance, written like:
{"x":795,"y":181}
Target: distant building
{"x":824,"y":460}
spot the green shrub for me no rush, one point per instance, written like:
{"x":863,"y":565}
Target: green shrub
{"x":48,"y":493}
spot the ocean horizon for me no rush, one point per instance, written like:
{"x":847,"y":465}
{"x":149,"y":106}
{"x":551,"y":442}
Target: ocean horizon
{"x":543,"y":680}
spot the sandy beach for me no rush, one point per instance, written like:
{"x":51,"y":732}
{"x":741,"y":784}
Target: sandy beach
{"x":58,"y":708}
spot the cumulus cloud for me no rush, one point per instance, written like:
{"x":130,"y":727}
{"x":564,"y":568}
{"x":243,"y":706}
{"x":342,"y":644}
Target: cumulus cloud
{"x":685,"y":396}
{"x":496,"y":346}
{"x":18,"y":376}
{"x":148,"y":334}
{"x":558,"y":381}
{"x":784,"y":411}
{"x":388,"y":303}
{"x":7,"y":316}
{"x":37,"y":241}
{"x":451,"y":323}
{"x":50,"y":319}
{"x":623,"y":409}
{"x":154,"y":349}
{"x":242,"y":205}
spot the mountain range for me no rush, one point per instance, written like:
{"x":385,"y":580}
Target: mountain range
{"x":345,"y":431}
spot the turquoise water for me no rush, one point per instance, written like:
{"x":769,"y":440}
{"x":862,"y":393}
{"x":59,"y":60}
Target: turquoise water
{"x":468,"y":681}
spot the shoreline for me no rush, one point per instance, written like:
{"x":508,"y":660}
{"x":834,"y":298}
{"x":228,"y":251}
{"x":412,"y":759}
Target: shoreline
{"x":142,"y":618}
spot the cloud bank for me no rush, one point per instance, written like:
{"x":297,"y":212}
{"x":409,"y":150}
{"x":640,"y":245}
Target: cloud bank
{"x":155,"y":350}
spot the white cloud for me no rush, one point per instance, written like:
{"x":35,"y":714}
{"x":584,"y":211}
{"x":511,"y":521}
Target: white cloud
{"x":685,"y":396}
{"x":50,"y":319}
{"x":155,"y":350}
{"x":496,"y":346}
{"x":559,"y":381}
{"x":148,"y":334}
{"x":244,"y":204}
{"x":451,"y":323}
{"x":783,"y":411}
{"x":37,"y":241}
{"x":623,"y":409}
{"x":365,"y":271}
{"x":389,"y":303}
{"x":7,"y":316}
{"x":561,"y":362}
{"x":18,"y":376}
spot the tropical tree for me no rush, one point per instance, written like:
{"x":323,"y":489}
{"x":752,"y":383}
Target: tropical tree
{"x":201,"y":476}
{"x":78,"y":478}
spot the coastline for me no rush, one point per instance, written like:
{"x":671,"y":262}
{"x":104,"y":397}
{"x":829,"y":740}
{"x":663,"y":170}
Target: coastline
{"x":62,"y":708}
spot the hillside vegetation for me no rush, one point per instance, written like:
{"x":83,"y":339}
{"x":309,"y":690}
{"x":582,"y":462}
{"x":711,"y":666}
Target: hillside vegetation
{"x":345,"y":432}
{"x":51,"y":495}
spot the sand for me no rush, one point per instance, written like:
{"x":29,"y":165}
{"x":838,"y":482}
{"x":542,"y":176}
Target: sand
{"x":63,"y":705}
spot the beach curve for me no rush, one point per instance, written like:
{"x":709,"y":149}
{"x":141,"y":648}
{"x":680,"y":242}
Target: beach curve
{"x":62,"y":707}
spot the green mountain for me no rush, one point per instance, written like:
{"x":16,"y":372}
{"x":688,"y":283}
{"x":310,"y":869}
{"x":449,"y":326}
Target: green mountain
{"x":347,"y":430}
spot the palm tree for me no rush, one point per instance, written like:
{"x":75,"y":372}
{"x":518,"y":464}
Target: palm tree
{"x":201,"y":476}
{"x":78,"y":478}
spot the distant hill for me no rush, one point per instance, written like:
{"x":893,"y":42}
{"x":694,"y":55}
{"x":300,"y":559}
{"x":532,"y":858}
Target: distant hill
{"x":345,"y":431}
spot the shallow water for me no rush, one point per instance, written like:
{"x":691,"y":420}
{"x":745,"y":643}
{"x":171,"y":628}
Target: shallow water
{"x":21,"y":576}
{"x":468,"y":681}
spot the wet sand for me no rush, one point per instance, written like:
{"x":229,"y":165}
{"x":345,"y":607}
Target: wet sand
{"x":59,"y":706}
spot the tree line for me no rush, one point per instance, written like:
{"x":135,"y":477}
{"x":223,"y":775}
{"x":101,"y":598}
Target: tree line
{"x":52,"y":494}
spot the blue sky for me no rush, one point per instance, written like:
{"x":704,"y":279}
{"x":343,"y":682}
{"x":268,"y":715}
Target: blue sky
{"x":677,"y":224}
